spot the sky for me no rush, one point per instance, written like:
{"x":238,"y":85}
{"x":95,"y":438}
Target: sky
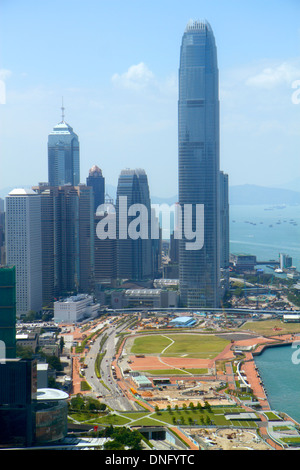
{"x":115,"y":63}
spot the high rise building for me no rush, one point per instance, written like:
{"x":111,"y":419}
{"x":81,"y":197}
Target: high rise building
{"x":134,"y":256}
{"x":105,"y":254}
{"x":198,"y":142}
{"x":224,"y":232}
{"x":2,"y":232}
{"x":97,"y":182}
{"x":23,"y":247}
{"x":67,"y":240}
{"x":18,"y":385}
{"x":8,"y":310}
{"x":224,"y":221}
{"x":63,"y":155}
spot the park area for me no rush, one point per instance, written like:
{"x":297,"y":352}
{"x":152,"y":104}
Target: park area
{"x":177,"y":353}
{"x":271,"y":327}
{"x":180,"y":345}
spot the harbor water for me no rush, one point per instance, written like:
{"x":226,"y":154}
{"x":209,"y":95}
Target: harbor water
{"x":267,"y":231}
{"x":279,"y":369}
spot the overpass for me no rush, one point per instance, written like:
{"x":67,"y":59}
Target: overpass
{"x":233,"y":311}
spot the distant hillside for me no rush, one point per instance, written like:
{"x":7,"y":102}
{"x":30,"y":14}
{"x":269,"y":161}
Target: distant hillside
{"x":249,"y":194}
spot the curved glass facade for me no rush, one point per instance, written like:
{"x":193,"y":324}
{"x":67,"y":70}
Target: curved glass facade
{"x":51,"y":421}
{"x":198,"y":142}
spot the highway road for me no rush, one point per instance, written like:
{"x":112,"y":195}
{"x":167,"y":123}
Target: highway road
{"x":111,"y":393}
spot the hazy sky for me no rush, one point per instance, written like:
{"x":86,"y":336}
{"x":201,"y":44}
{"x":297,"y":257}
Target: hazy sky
{"x":116,"y":62}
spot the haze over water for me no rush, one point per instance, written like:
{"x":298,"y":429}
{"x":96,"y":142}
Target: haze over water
{"x":275,"y":231}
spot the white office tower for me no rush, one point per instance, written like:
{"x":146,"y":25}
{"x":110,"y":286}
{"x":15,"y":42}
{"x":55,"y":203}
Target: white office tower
{"x":23,"y":247}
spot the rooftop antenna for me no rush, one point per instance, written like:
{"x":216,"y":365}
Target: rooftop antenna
{"x":62,"y":110}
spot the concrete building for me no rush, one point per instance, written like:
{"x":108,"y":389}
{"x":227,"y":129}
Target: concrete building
{"x":143,"y":298}
{"x":42,"y":375}
{"x":243,"y":262}
{"x":75,"y":309}
{"x":286,"y":261}
{"x":27,"y":339}
{"x":24,"y":248}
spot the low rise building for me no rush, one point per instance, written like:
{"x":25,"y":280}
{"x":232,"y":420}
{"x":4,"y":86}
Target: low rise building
{"x":149,"y":298}
{"x":75,"y":309}
{"x":27,"y":339}
{"x":182,"y":322}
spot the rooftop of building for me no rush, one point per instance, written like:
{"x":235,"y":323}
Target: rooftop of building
{"x":49,"y":394}
{"x":182,"y":320}
{"x":95,"y":171}
{"x":197,"y":25}
{"x":137,"y":292}
{"x":22,"y":192}
{"x":75,"y":298}
{"x":62,"y":127}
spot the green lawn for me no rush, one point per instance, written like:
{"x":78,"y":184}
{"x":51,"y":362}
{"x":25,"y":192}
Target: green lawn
{"x":169,"y":418}
{"x":152,"y":344}
{"x":266,"y":327}
{"x":185,"y":345}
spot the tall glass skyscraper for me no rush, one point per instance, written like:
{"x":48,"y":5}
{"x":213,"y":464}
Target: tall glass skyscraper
{"x":63,"y":155}
{"x":97,"y":181}
{"x":134,"y":256}
{"x":198,"y":142}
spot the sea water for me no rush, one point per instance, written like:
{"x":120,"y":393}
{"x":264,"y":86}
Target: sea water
{"x":279,"y":369}
{"x":266,"y":231}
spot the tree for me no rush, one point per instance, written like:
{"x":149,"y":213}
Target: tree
{"x":61,"y":344}
{"x":77,"y":403}
{"x":207,"y":406}
{"x":54,"y":362}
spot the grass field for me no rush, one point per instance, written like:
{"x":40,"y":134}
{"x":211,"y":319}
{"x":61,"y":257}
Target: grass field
{"x":271,"y":327}
{"x":198,"y":417}
{"x":180,"y":345}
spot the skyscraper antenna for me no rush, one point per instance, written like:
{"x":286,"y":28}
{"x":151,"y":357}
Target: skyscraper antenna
{"x":62,"y":110}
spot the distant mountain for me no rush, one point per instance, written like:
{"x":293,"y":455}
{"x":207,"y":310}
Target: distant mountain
{"x":294,"y":185}
{"x":249,"y":194}
{"x":4,"y":192}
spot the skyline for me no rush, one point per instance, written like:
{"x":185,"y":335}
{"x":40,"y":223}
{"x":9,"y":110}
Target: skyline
{"x":116,"y":67}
